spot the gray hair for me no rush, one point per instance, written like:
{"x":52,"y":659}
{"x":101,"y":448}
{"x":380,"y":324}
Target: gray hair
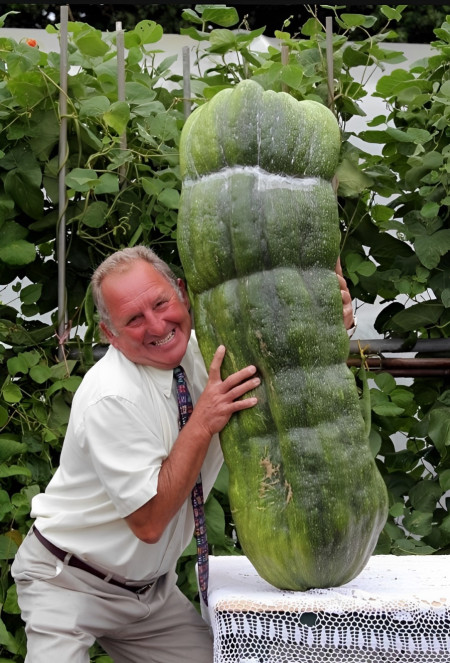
{"x":119,"y":262}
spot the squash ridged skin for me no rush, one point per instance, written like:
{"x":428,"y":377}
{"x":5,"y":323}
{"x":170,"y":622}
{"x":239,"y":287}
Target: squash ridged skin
{"x":258,"y":236}
{"x":247,"y":126}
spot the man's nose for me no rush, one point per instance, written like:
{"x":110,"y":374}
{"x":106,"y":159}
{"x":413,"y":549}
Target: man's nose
{"x":154,"y":323}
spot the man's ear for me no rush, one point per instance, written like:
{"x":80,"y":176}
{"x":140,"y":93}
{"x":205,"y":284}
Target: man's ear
{"x":184,"y":294}
{"x":107,"y":333}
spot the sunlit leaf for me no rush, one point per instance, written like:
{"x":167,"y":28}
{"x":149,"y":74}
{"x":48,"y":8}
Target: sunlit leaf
{"x":148,"y":31}
{"x":11,"y":393}
{"x":220,"y":15}
{"x":117,"y":116}
{"x":91,"y":43}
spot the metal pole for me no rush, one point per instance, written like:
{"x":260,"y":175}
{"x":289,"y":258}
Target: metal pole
{"x":397,"y":345}
{"x":330,"y":75}
{"x":186,"y":82}
{"x":62,"y":202}
{"x":284,"y":62}
{"x":121,"y":89}
{"x":405,"y":367}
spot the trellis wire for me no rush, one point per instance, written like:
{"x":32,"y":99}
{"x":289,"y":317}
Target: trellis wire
{"x":62,"y":202}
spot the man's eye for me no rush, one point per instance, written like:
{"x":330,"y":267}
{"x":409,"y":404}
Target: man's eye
{"x":160,"y":303}
{"x":135,"y":320}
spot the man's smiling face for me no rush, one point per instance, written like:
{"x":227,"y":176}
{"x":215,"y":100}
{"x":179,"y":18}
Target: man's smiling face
{"x":151,"y":324}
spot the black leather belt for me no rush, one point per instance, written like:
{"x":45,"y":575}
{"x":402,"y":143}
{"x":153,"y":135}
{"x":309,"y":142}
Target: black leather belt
{"x":79,"y":564}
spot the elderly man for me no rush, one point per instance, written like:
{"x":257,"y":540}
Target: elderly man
{"x":99,"y":561}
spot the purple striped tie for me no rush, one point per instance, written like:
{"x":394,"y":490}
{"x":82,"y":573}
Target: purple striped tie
{"x":185,"y":409}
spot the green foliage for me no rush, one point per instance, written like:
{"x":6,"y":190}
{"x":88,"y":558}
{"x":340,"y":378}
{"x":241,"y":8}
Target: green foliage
{"x":393,"y":214}
{"x":404,"y":233}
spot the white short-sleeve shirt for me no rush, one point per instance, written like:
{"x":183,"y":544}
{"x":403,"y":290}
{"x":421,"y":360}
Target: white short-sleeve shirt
{"x":123,"y":424}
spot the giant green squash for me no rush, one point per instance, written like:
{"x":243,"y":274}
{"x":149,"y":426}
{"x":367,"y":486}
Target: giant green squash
{"x":258,"y":236}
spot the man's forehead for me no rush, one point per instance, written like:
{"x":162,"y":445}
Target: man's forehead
{"x":138,"y":270}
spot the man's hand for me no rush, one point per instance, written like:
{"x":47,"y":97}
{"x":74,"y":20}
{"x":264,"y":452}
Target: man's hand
{"x":349,"y":320}
{"x":221,"y":398}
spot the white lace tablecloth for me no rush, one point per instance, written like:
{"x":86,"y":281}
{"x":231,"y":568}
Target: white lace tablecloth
{"x":396,"y":610}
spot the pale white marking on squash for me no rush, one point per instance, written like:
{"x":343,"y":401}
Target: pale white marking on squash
{"x":289,"y":493}
{"x":266,"y":180}
{"x":271,"y":479}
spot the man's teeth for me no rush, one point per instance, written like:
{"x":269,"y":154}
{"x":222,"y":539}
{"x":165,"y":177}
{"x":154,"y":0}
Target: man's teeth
{"x":165,"y":340}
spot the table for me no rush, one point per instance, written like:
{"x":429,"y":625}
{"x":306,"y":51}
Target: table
{"x":396,"y":610}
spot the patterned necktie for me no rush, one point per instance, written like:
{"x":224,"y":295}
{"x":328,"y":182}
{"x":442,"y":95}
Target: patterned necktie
{"x":185,"y":409}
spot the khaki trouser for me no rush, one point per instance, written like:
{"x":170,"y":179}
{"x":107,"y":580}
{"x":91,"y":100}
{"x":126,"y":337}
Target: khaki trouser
{"x":66,"y":609}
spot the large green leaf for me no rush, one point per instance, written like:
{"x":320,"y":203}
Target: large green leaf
{"x":90,"y":42}
{"x":425,"y":495}
{"x":419,"y":315}
{"x":169,"y":198}
{"x":148,"y":31}
{"x":81,"y":179}
{"x":9,"y":448}
{"x":6,"y":638}
{"x":219,"y":14}
{"x":46,"y":135}
{"x":29,"y":89}
{"x":94,"y":106}
{"x":444,"y":480}
{"x":439,"y":429}
{"x":8,"y":549}
{"x":418,"y":522}
{"x":139,"y":93}
{"x":117,"y":116}
{"x":430,"y":248}
{"x":106,"y":183}
{"x":31,"y":293}
{"x":22,"y":188}
{"x":356,"y":20}
{"x":17,"y":365}
{"x":18,"y":252}
{"x":222,"y":40}
{"x":14,"y":470}
{"x":388,"y":86}
{"x":95,"y":214}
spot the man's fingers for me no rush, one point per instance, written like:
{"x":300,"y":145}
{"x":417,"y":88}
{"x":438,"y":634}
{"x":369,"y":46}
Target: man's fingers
{"x":245,"y":403}
{"x":235,"y":378}
{"x":244,"y":387}
{"x":216,"y":363}
{"x":240,"y":378}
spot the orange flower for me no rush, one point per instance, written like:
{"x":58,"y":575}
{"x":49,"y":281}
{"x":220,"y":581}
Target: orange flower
{"x":32,"y":42}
